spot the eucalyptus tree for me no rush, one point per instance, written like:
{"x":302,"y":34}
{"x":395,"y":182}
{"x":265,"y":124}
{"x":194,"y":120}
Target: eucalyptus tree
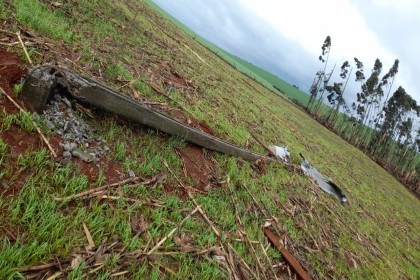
{"x":336,"y":92}
{"x":358,"y":107}
{"x":360,"y":77}
{"x":322,"y":89}
{"x":386,"y":82}
{"x":316,"y":84}
{"x":397,"y":108}
{"x":370,"y":96}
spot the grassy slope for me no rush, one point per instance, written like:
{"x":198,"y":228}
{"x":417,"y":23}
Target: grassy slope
{"x":262,"y":76}
{"x":378,"y":228}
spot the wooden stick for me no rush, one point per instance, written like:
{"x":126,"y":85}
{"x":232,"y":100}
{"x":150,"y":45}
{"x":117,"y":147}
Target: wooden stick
{"x":24,"y":48}
{"x":91,"y":191}
{"x":88,"y":237}
{"x":119,"y":273}
{"x":231,"y":263}
{"x":264,"y":146}
{"x":34,"y":124}
{"x":287,"y":256}
{"x":40,"y":267}
{"x":196,"y":54}
{"x":96,"y":269}
{"x":243,"y":262}
{"x":190,"y":195}
{"x":55,"y":275}
{"x":269,"y":261}
{"x":172,"y":231}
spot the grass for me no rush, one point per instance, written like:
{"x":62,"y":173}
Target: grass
{"x":54,"y":24}
{"x":377,"y":228}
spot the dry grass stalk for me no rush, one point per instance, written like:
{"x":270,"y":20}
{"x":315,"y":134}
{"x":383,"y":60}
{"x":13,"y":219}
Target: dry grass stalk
{"x":190,"y":195}
{"x":172,"y":231}
{"x":91,"y":192}
{"x":54,"y":154}
{"x":269,"y":261}
{"x":245,"y":236}
{"x":243,"y":262}
{"x":55,"y":275}
{"x":24,"y":49}
{"x":88,"y":237}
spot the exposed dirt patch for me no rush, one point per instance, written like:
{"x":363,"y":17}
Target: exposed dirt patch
{"x":20,"y":141}
{"x":198,"y":167}
{"x":11,"y":232}
{"x":11,"y":69}
{"x":111,"y":170}
{"x":172,"y":78}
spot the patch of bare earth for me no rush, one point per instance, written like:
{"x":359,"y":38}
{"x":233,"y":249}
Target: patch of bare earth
{"x":20,"y":141}
{"x":198,"y":167}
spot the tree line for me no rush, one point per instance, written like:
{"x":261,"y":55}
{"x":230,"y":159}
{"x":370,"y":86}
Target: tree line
{"x":381,"y":122}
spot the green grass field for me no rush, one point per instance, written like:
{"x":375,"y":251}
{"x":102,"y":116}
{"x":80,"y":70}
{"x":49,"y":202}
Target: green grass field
{"x":262,"y":76}
{"x":131,"y":47}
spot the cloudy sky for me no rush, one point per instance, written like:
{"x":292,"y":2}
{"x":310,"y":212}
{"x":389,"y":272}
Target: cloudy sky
{"x":285,"y":37}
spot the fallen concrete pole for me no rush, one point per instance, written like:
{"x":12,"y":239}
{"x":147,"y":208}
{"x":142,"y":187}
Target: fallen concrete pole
{"x":42,"y":82}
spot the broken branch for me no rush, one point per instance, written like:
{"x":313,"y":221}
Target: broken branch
{"x":34,"y":124}
{"x":24,"y":49}
{"x":262,"y":144}
{"x":203,"y":214}
{"x":40,"y":267}
{"x":91,"y":191}
{"x":172,"y":231}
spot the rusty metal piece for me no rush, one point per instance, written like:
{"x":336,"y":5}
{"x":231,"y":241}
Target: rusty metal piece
{"x":298,"y":269}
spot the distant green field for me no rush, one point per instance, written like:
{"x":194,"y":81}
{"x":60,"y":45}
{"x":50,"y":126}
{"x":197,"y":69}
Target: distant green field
{"x":262,"y":76}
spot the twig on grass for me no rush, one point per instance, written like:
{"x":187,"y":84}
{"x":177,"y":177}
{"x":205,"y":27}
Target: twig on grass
{"x":206,"y":218}
{"x":41,"y":267}
{"x":172,"y":231}
{"x":96,"y":269}
{"x":190,"y":195}
{"x":24,"y":49}
{"x":243,"y":262}
{"x":55,"y":275}
{"x":119,"y":273}
{"x":117,"y":184}
{"x":33,"y":123}
{"x":88,"y":237}
{"x":286,"y":255}
{"x":263,"y":145}
{"x":245,"y":235}
{"x":269,"y":261}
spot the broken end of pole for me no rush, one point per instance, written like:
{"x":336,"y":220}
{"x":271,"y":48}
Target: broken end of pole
{"x":38,"y":88}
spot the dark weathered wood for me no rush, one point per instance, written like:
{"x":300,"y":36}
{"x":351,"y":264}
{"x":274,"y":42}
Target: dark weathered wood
{"x":39,"y":85}
{"x":274,"y":239}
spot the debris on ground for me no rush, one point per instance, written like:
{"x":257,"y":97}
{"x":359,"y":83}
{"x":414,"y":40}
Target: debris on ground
{"x":42,"y":81}
{"x":326,"y":185}
{"x":301,"y":273}
{"x":282,"y":153}
{"x":78,"y":137}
